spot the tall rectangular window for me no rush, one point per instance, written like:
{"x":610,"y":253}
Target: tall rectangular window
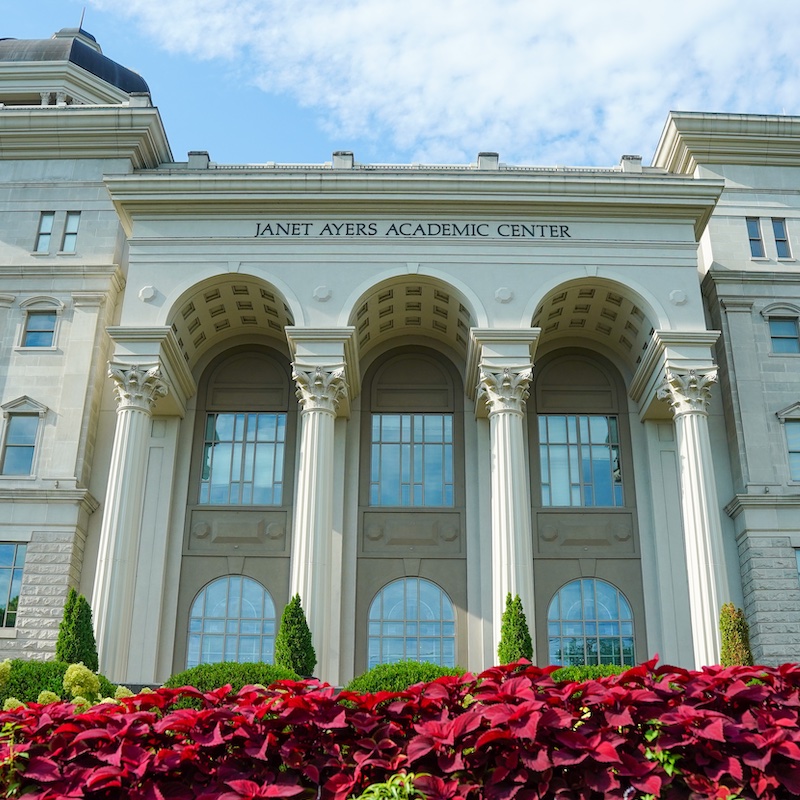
{"x":12,"y":562}
{"x":19,"y":444}
{"x":243,"y":459}
{"x":793,"y":445}
{"x":412,"y":460}
{"x":754,"y":234}
{"x":784,"y":335}
{"x":580,"y":460}
{"x":781,"y":238}
{"x":40,"y":329}
{"x":45,"y":232}
{"x":70,"y":240}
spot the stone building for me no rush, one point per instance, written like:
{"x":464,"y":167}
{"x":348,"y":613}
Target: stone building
{"x":399,"y":391}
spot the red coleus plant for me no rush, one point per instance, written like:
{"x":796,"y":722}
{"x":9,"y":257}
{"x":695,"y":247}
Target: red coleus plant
{"x":511,"y":732}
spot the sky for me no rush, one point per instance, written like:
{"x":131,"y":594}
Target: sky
{"x":541,"y":82}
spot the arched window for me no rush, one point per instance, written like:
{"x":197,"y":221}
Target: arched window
{"x":231,"y":619}
{"x":411,"y":619}
{"x":589,"y":621}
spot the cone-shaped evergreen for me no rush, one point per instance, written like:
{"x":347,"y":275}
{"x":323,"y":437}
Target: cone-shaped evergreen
{"x":515,"y":638}
{"x":293,"y":647}
{"x":735,"y":637}
{"x":76,"y":641}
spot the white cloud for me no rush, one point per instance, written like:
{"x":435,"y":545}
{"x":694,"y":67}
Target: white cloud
{"x":540,"y":81}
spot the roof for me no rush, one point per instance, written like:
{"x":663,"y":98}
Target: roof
{"x":77,"y":46}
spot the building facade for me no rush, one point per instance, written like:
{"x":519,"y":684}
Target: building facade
{"x":400,"y":391}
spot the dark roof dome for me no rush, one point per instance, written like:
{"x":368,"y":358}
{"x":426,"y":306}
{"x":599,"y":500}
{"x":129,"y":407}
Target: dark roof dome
{"x":78,"y":47}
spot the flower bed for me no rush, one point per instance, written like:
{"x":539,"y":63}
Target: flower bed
{"x":510,"y":732}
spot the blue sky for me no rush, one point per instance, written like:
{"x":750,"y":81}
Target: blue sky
{"x":436,"y":81}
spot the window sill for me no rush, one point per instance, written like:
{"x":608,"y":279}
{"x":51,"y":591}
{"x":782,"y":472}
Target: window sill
{"x":31,"y":349}
{"x":66,"y":253}
{"x":786,"y":260}
{"x":8,"y":633}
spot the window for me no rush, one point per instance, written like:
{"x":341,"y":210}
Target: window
{"x":231,"y":619}
{"x":411,"y":619}
{"x":580,"y":460}
{"x":754,"y":234}
{"x":40,"y":329}
{"x":793,"y":445}
{"x":781,"y":239}
{"x":12,"y":560}
{"x":589,"y":621}
{"x":45,"y":232}
{"x":412,"y":460}
{"x":70,"y":240}
{"x":243,"y":459}
{"x":783,"y":332}
{"x":20,"y":444}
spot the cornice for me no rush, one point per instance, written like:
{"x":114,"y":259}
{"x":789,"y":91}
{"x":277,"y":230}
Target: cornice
{"x":309,"y":190}
{"x":691,"y":139}
{"x":717,"y":276}
{"x":135,"y":133}
{"x":40,"y":269}
{"x":79,"y":497}
{"x":744,"y":501}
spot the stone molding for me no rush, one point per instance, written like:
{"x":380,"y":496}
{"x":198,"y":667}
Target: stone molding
{"x":320,"y":389}
{"x":136,"y":387}
{"x":688,"y":392}
{"x":504,"y":391}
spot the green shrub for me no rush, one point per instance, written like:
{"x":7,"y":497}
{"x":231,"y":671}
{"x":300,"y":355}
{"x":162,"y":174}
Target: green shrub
{"x":587,"y":672}
{"x":76,"y":642}
{"x":735,"y":634}
{"x":207,"y":677}
{"x":515,"y":638}
{"x":399,"y":676}
{"x":293,"y":647}
{"x":28,"y":679}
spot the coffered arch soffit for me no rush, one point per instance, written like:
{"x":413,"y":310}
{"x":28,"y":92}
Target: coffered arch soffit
{"x":599,"y":313}
{"x":225,"y":308}
{"x":412,"y":305}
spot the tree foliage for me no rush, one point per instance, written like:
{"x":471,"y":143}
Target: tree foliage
{"x":515,"y":638}
{"x":293,"y":647}
{"x":76,"y":642}
{"x":735,"y":634}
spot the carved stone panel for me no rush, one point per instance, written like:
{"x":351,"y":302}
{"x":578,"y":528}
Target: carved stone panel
{"x":424,"y":533}
{"x":243,"y":532}
{"x":582,"y":534}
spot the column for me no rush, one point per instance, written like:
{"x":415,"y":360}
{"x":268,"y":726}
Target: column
{"x":320,"y":390}
{"x":688,"y":393}
{"x":136,"y":389}
{"x":505,"y":394}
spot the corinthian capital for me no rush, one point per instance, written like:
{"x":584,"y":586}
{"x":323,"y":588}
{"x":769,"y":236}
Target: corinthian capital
{"x":506,"y":390}
{"x":135,"y":387}
{"x":320,"y":389}
{"x":688,"y":392}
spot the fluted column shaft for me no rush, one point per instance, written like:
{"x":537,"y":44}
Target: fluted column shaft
{"x":512,"y":550}
{"x":689,"y":395}
{"x":319,"y":392}
{"x":136,"y":390}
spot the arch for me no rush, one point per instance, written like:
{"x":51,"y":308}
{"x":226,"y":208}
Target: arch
{"x":219,"y":307}
{"x":411,"y":619}
{"x":590,"y":621}
{"x":412,"y":304}
{"x":231,"y":618}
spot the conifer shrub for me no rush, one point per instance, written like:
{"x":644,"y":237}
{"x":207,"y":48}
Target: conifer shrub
{"x":515,"y":638}
{"x":293,"y":647}
{"x":587,"y":672}
{"x":28,"y":679}
{"x":76,"y":642}
{"x":399,"y":676}
{"x":207,"y":677}
{"x":735,"y":635}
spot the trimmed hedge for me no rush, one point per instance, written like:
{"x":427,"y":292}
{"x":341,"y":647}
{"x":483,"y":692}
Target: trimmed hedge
{"x":587,"y":672}
{"x":207,"y":677}
{"x":399,"y":676}
{"x":29,"y":678}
